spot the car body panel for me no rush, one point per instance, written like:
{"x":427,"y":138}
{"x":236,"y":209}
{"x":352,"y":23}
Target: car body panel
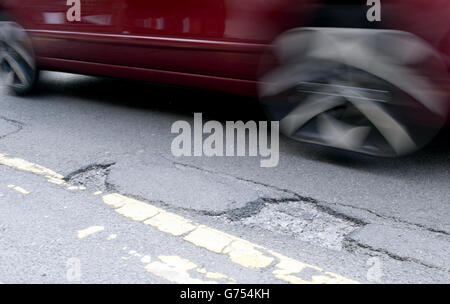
{"x":206,"y":37}
{"x":224,"y":40}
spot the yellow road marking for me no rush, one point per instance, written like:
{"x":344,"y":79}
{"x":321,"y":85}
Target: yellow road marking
{"x":88,"y":231}
{"x":239,"y":251}
{"x":50,"y":175}
{"x":19,"y":189}
{"x":170,"y":223}
{"x":111,"y":237}
{"x":24,"y":165}
{"x":177,"y":269}
{"x":146,"y":259}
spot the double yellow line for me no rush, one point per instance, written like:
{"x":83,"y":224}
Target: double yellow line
{"x":242,"y":252}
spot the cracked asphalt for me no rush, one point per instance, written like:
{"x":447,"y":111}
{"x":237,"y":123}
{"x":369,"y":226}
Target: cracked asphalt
{"x":90,"y":193}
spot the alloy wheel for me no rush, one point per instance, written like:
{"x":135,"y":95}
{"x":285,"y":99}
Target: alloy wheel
{"x":17,"y":65}
{"x":346,"y":89}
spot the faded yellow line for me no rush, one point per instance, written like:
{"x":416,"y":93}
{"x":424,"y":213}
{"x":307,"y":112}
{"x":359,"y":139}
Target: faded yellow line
{"x":238,"y":250}
{"x":26,"y":166}
{"x":180,"y":270}
{"x":176,"y":269}
{"x":88,"y":231}
{"x":111,"y":237}
{"x":19,"y":189}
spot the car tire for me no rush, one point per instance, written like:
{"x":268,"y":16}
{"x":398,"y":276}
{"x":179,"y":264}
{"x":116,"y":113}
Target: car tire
{"x":363,"y":90}
{"x":17,"y":62}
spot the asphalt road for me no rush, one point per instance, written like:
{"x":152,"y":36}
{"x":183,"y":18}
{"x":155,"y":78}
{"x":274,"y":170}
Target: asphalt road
{"x":90,"y":192}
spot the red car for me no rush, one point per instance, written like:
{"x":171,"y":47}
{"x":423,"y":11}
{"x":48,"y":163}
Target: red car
{"x":367,"y":76}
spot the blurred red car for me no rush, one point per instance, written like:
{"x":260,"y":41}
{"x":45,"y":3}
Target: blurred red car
{"x":330,"y":74}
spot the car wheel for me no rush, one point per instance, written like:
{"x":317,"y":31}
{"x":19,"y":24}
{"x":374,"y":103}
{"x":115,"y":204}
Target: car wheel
{"x":369,"y":91}
{"x":17,"y":64}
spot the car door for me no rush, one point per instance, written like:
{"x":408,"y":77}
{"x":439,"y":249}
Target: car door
{"x":72,"y":29}
{"x":176,"y":35}
{"x":208,"y":37}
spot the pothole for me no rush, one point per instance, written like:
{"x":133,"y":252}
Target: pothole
{"x":189,"y":188}
{"x":92,"y":176}
{"x":303,"y":221}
